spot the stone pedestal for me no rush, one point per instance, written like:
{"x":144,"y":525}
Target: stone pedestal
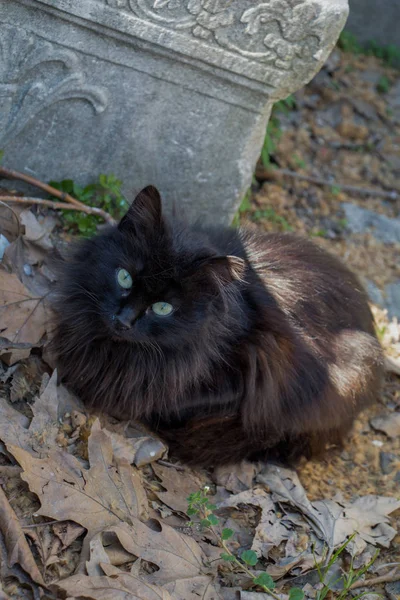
{"x":171,"y":92}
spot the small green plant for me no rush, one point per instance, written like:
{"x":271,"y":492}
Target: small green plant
{"x":319,"y":233}
{"x":299,"y":162}
{"x":390,"y":54}
{"x":383,"y":85}
{"x":274,"y":131}
{"x":243,"y":208}
{"x":349,"y":43}
{"x":335,"y":190}
{"x":271,"y":215}
{"x":346,"y":580}
{"x":105,"y":193}
{"x":1,"y":155}
{"x":200,"y":506}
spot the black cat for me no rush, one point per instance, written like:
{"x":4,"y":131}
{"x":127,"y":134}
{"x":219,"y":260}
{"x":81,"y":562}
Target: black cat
{"x":229,"y":344}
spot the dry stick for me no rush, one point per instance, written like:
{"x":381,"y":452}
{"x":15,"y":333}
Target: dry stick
{"x":393,"y":575}
{"x":43,"y":524}
{"x":264,"y":174}
{"x":90,"y":210}
{"x":10,"y":174}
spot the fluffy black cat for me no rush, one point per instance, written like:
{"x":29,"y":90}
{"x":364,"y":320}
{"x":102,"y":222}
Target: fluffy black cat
{"x":228,"y":343}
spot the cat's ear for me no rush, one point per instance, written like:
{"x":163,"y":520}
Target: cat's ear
{"x":144,"y":215}
{"x":224,"y":269}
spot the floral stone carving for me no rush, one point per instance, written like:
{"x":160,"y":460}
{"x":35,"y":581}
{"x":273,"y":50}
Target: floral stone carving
{"x":27,"y":88}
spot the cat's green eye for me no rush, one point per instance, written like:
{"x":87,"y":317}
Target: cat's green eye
{"x":162,"y":309}
{"x":124,"y":279}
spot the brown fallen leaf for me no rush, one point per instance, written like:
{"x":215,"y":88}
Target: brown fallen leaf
{"x":178,"y":486}
{"x":271,"y":530}
{"x":183,"y":569}
{"x":236,"y":478}
{"x":38,"y":436}
{"x":334,"y":522}
{"x":119,"y":585}
{"x":23,"y":317}
{"x":67,"y":532}
{"x":94,"y":498}
{"x":98,"y":556}
{"x":17,"y":547}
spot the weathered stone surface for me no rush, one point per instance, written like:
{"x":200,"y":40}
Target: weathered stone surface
{"x":362,"y":220}
{"x":375,"y":20}
{"x":171,"y":92}
{"x":392,"y":293}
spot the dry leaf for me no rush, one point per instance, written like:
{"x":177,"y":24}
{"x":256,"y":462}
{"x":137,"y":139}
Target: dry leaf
{"x":333,"y":522}
{"x":18,"y":550}
{"x":389,"y":424}
{"x":178,"y":485}
{"x":41,"y":434}
{"x":118,"y":586}
{"x":48,"y":546}
{"x":271,"y":530}
{"x":183,"y":569}
{"x":96,"y":497}
{"x":236,"y":478}
{"x":67,"y":532}
{"x":97,"y":556}
{"x":23,"y":318}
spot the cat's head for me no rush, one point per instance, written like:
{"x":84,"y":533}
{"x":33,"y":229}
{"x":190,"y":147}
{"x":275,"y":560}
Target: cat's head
{"x":144,"y":281}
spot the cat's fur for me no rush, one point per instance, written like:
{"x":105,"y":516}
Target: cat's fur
{"x":271,"y":350}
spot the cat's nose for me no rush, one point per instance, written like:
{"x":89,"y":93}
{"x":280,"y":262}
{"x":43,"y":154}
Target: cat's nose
{"x":126,"y":317}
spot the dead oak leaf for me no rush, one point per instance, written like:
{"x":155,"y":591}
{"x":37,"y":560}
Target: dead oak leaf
{"x":181,"y":563}
{"x":178,"y":485}
{"x":17,"y":547}
{"x":334,"y":522}
{"x":95,"y":498}
{"x":271,"y":530}
{"x":119,"y":585}
{"x":23,"y":318}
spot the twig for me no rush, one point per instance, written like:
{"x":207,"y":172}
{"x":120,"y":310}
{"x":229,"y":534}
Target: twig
{"x":264,"y":174}
{"x":10,"y":174}
{"x":393,"y":575}
{"x":165,"y":463}
{"x":41,"y":524}
{"x":90,"y":210}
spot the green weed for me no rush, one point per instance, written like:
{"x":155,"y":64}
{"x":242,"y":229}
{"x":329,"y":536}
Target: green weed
{"x":383,"y":85}
{"x":274,"y":131}
{"x":390,"y":55}
{"x":243,"y":208}
{"x":105,"y":193}
{"x":347,"y":578}
{"x":199,"y":506}
{"x":271,"y":215}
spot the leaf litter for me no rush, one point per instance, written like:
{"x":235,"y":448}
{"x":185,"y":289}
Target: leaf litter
{"x":78,"y":520}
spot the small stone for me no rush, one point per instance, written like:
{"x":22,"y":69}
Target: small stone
{"x":385,"y":462}
{"x":4,"y":243}
{"x":374,"y":293}
{"x":362,"y":220}
{"x":393,"y":590}
{"x":28,"y":270}
{"x":392,"y":293}
{"x":377,"y":443}
{"x":397,"y":477}
{"x":389,"y":424}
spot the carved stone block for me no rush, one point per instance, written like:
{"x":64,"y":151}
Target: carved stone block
{"x":171,"y":92}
